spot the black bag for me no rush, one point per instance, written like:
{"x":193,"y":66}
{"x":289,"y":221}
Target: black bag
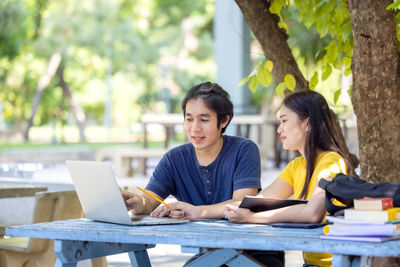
{"x":345,"y":188}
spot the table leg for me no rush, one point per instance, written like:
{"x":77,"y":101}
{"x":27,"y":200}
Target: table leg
{"x":228,"y":256}
{"x":69,"y":252}
{"x":342,"y":261}
{"x":139,"y":258}
{"x":61,"y":264}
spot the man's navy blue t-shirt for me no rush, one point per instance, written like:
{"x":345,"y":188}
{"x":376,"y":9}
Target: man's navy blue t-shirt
{"x":179,"y":174}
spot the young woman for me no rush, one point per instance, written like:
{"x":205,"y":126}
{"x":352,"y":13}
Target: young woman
{"x":306,"y":126}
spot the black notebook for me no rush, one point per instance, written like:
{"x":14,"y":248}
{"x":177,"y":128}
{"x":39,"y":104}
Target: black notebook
{"x":257,"y":204}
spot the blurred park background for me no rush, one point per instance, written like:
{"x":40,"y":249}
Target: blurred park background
{"x":80,"y":74}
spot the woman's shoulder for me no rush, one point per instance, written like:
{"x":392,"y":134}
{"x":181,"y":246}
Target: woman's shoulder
{"x":298,"y":161}
{"x":329,"y":156}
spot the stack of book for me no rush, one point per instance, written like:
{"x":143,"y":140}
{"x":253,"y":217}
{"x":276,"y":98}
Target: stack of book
{"x":371,"y":220}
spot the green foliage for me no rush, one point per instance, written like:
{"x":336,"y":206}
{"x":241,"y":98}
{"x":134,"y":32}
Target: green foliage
{"x":319,"y":34}
{"x":261,"y":74}
{"x":14,"y":22}
{"x":290,"y":82}
{"x":396,"y":7}
{"x":313,"y":81}
{"x":128,"y":40}
{"x":280,"y":90}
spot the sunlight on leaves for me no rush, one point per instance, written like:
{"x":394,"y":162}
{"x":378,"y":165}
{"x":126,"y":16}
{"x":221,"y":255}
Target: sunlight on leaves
{"x":264,"y":77}
{"x":280,"y":90}
{"x":336,"y":96}
{"x":290,"y":82}
{"x":269,"y":65}
{"x":253,"y":83}
{"x":313,"y":81}
{"x":243,"y":81}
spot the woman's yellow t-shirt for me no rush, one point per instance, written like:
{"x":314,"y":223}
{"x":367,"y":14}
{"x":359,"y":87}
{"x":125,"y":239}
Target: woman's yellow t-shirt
{"x":327,"y":164}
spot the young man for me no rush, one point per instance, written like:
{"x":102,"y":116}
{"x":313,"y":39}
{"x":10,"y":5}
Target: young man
{"x":207,"y":173}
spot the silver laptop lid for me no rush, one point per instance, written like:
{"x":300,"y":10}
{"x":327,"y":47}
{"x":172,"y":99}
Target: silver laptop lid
{"x":98,"y":191}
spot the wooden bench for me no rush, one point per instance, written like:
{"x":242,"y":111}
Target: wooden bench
{"x":122,"y":158}
{"x":25,"y":251}
{"x":243,"y":124}
{"x":11,"y":210}
{"x":11,"y":192}
{"x":170,"y":120}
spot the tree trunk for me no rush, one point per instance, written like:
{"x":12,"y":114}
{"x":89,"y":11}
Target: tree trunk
{"x":275,"y":47}
{"x":77,"y":111}
{"x":376,"y":88}
{"x":272,"y":39}
{"x":44,"y":81}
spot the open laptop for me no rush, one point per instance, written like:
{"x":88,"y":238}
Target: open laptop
{"x":101,"y":198}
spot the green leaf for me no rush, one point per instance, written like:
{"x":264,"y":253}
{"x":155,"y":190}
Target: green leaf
{"x":322,"y":28}
{"x":259,"y":65}
{"x":336,"y":96}
{"x":393,"y":6}
{"x":283,"y":25}
{"x":327,"y":70}
{"x":350,"y":90}
{"x":280,"y":90}
{"x":269,"y":65}
{"x":290,"y":82}
{"x":275,"y":7}
{"x":347,"y":71}
{"x":253,"y":83}
{"x":347,"y":61}
{"x":313,"y":81}
{"x":264,"y":77}
{"x":243,"y":81}
{"x":332,"y":51}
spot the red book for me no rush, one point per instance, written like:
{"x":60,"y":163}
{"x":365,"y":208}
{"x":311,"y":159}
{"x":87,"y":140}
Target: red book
{"x":368,"y":203}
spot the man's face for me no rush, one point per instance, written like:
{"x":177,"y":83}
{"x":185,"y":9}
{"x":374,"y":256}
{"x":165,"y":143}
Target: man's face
{"x":201,"y":125}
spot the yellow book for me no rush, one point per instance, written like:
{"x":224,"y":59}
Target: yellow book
{"x":378,"y":216}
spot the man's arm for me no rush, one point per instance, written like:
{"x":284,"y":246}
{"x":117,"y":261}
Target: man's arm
{"x":215,"y":211}
{"x":140,"y":203}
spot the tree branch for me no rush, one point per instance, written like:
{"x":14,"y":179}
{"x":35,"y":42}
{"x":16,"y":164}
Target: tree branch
{"x":273,"y":40}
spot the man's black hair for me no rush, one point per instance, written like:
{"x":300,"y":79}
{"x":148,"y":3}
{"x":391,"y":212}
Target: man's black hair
{"x":214,"y":97}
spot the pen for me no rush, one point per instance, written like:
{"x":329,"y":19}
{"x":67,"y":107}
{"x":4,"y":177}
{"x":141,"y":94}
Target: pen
{"x":153,"y":196}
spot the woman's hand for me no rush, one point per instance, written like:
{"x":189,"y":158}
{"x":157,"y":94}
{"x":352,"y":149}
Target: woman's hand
{"x":161,"y":211}
{"x":238,"y":215}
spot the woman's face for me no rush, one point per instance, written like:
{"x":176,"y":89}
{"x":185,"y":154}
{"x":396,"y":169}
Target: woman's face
{"x":292,"y":131}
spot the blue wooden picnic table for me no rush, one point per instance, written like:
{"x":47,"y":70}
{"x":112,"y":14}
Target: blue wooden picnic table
{"x":81,"y":239}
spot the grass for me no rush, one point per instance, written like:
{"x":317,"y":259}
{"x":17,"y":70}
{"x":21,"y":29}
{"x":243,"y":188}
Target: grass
{"x":96,"y":136}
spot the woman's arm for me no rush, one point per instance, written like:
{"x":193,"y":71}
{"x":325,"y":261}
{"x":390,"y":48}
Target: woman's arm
{"x":313,"y":211}
{"x":277,"y":189}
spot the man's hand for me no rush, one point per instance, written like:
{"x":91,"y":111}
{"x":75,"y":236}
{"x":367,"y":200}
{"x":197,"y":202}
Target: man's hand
{"x":238,"y":215}
{"x":134,"y":202}
{"x":181,"y":210}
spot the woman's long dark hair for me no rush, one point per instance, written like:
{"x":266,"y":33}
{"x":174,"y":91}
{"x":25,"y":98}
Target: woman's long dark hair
{"x":322,"y":132}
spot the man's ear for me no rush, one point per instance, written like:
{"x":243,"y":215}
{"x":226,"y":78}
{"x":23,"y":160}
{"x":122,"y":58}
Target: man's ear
{"x":225,"y":122}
